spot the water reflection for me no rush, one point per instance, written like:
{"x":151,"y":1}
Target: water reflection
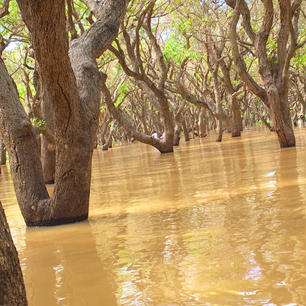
{"x":62,"y":268}
{"x":212,"y":224}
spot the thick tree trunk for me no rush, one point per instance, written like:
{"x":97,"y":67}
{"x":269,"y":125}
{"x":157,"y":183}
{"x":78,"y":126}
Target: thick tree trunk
{"x":12,"y":290}
{"x":24,"y":156}
{"x":280,"y":113}
{"x":73,"y":85}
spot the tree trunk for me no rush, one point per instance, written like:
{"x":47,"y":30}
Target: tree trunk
{"x":219,"y":130}
{"x":2,"y":153}
{"x":47,"y":144}
{"x":236,"y":118}
{"x":218,"y":104}
{"x":108,"y":143}
{"x":73,"y":85}
{"x":185,"y":130}
{"x":280,"y":113}
{"x":202,"y":124}
{"x":12,"y":290}
{"x":19,"y":137}
{"x":177,"y":134}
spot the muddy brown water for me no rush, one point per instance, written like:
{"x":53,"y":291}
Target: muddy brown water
{"x":211,"y":224}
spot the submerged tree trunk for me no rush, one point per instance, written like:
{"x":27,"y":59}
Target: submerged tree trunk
{"x":202,"y":124}
{"x":236,"y":118}
{"x":12,"y":290}
{"x":185,"y":130}
{"x":280,"y":114}
{"x":108,"y":142}
{"x":274,"y":70}
{"x":73,"y":85}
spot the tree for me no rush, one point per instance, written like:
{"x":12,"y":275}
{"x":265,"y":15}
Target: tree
{"x":71,"y":79}
{"x":273,"y":63}
{"x":154,"y":87}
{"x":12,"y":290}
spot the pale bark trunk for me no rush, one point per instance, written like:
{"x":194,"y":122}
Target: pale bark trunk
{"x":108,"y":143}
{"x":12,"y":290}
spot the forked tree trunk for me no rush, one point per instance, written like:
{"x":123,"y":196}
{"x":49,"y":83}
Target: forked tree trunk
{"x":73,"y":85}
{"x":12,"y":290}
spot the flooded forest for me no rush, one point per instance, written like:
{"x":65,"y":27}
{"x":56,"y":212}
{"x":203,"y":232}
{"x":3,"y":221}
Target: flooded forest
{"x":152,"y":153}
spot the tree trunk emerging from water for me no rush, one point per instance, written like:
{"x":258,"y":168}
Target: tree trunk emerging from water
{"x":72,"y":81}
{"x":273,"y":69}
{"x":12,"y":290}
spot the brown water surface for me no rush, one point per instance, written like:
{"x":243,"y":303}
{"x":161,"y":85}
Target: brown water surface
{"x":211,"y":224}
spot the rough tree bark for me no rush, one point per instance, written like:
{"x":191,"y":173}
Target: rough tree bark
{"x":72,"y":80}
{"x":12,"y":290}
{"x":274,"y":71}
{"x":48,"y":143}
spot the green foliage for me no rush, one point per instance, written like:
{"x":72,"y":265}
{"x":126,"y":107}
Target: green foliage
{"x":11,"y":26}
{"x":123,"y":89}
{"x":299,"y":61}
{"x":175,"y":49}
{"x":41,"y":124}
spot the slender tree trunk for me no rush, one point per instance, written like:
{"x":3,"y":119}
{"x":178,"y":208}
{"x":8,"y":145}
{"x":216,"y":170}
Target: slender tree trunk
{"x":185,"y":130}
{"x":2,"y":153}
{"x":177,"y":134}
{"x":202,"y":124}
{"x":108,"y":143}
{"x":218,"y":104}
{"x":236,"y":118}
{"x":12,"y":290}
